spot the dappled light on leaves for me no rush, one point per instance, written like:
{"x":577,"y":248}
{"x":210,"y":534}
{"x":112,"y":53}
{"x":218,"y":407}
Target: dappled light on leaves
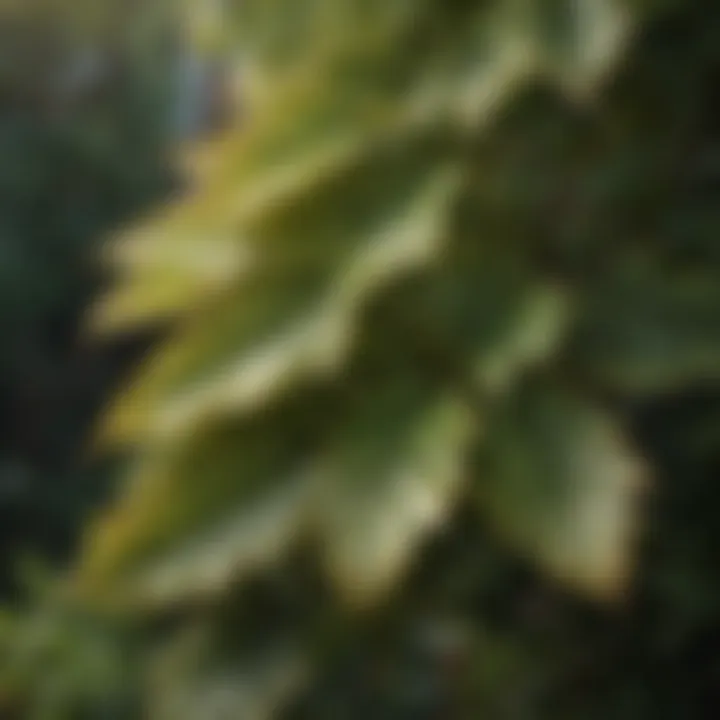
{"x":428,"y":277}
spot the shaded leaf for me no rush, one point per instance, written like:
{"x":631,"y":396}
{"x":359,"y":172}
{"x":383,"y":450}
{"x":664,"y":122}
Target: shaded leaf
{"x":191,"y":678}
{"x":648,"y":331}
{"x":488,"y":315}
{"x":198,"y":514}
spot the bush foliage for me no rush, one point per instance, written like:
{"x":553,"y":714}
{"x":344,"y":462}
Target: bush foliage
{"x":440,"y":373}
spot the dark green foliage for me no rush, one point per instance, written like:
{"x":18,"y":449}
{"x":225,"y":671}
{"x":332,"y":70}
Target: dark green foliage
{"x":79,"y":153}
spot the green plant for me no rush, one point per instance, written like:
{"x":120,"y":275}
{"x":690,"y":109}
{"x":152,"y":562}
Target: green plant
{"x":451,"y":253}
{"x":409,"y":278}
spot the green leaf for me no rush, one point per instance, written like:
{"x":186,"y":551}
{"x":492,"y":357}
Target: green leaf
{"x":579,"y":40}
{"x":187,"y":254}
{"x":645,"y":330}
{"x":532,"y":333}
{"x":192,"y":677}
{"x":560,"y":483}
{"x":199,"y":244}
{"x":370,"y":474}
{"x":294,"y":315}
{"x":153,"y":296}
{"x":488,"y":315}
{"x":390,"y":475}
{"x":196,"y":514}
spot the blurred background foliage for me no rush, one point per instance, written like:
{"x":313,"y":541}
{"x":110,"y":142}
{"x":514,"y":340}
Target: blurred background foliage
{"x":88,"y":125}
{"x":84,"y":136}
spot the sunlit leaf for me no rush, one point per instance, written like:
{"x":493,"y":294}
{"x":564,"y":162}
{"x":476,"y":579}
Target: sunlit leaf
{"x":390,"y":475}
{"x":561,"y":484}
{"x":295,"y":314}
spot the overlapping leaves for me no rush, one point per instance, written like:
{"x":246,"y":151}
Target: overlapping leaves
{"x":356,"y":308}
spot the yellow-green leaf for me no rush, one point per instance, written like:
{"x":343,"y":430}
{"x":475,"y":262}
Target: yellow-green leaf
{"x":294,"y":315}
{"x":196,"y":514}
